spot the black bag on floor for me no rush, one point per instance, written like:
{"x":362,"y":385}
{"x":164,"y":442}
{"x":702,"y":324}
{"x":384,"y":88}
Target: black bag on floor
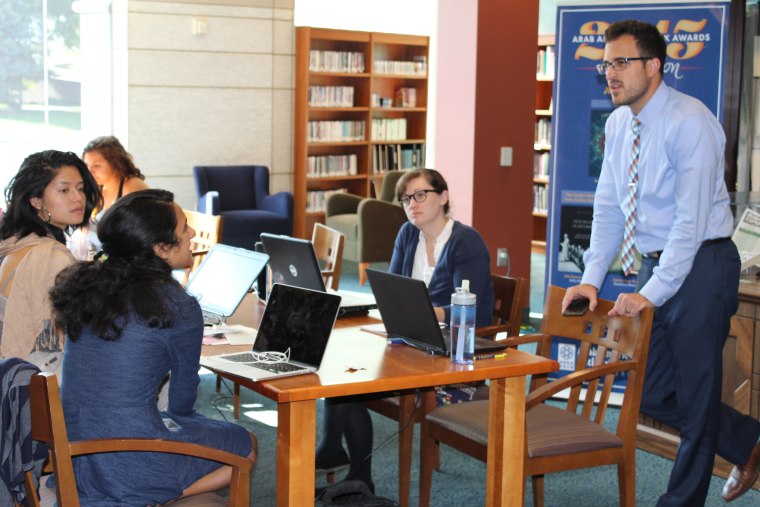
{"x":353,"y":494}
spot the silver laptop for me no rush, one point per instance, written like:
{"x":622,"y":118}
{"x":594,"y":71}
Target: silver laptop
{"x":296,"y":324}
{"x":408,"y":314}
{"x":222,"y":280}
{"x":294,"y":262}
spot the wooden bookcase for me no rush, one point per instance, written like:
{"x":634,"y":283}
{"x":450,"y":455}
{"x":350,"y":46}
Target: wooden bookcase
{"x":367,"y":84}
{"x":542,"y":143}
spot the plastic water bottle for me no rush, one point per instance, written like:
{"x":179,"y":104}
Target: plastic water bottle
{"x":463,"y":325}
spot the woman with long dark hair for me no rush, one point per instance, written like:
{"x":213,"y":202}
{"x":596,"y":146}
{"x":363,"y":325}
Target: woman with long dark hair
{"x":116,"y":174}
{"x":129,"y":323}
{"x":52,"y":193}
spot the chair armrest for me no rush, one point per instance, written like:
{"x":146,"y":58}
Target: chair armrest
{"x":489,"y":331}
{"x":209,"y":203}
{"x":576,"y":378}
{"x":514,"y":341}
{"x":342,"y":204}
{"x":104,"y":445}
{"x":379,"y":223}
{"x":280,"y":204}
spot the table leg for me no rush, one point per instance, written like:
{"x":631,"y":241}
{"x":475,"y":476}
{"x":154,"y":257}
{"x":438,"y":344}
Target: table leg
{"x":505,"y":477}
{"x":407,"y":409}
{"x":296,"y":443}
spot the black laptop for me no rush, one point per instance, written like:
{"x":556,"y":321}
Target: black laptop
{"x":408,"y":314}
{"x":296,"y":325}
{"x":293,"y":262}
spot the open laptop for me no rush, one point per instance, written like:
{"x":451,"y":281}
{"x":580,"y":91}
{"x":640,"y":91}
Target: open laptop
{"x":408,"y":314}
{"x":296,"y":320}
{"x":294,"y":262}
{"x":222,"y":280}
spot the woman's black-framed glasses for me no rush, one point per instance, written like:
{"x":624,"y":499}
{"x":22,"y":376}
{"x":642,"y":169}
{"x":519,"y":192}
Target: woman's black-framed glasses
{"x":419,"y":196}
{"x":619,"y":64}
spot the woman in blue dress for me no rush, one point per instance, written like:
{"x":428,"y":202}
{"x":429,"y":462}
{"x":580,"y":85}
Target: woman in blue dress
{"x":129,"y":323}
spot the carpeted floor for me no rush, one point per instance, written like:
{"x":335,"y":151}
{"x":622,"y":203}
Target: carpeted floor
{"x":461,"y":480}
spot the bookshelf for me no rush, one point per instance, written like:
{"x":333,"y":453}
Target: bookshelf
{"x":545,"y":59}
{"x":360,"y":110}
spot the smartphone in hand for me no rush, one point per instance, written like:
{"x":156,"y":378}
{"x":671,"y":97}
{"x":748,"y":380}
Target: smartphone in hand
{"x":576,"y":308}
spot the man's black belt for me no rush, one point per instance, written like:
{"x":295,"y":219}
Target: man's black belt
{"x":708,"y":242}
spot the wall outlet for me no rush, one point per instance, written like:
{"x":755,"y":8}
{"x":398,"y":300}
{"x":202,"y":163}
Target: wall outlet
{"x":505,"y":156}
{"x":502,"y":257}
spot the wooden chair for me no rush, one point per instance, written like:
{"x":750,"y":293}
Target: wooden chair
{"x":509,"y":302}
{"x":49,"y":426}
{"x":328,"y":247}
{"x":569,"y":437}
{"x":208,"y":232}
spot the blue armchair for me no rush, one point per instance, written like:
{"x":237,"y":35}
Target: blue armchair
{"x":240,"y":194}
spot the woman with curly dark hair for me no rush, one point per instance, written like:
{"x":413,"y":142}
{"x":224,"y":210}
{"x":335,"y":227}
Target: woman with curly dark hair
{"x":129,"y":323}
{"x":52,"y":193}
{"x":117,"y":175}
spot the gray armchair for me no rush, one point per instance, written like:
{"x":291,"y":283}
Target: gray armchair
{"x":370,"y":225}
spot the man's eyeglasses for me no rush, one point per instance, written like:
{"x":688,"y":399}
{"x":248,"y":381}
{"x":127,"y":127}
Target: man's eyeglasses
{"x":619,"y":64}
{"x":419,"y":196}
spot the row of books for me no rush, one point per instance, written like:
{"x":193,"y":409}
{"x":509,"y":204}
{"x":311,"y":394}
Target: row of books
{"x":336,"y":61}
{"x":543,"y":135}
{"x":331,"y":96}
{"x":540,"y":198}
{"x":331,"y":165}
{"x":335,"y":131}
{"x":541,"y":165}
{"x":545,"y":60}
{"x":316,"y":200}
{"x":388,"y":129}
{"x":391,"y":157}
{"x":417,"y":67}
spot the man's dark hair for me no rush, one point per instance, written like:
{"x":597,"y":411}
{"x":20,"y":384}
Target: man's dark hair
{"x":649,"y":40}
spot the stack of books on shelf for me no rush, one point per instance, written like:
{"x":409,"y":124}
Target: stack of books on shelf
{"x":406,"y":97}
{"x":316,"y":200}
{"x":336,"y":61}
{"x":331,"y":96}
{"x":391,"y":157}
{"x":540,"y":199}
{"x":331,"y":165}
{"x":543,"y":133}
{"x":541,"y":165}
{"x":416,"y":68}
{"x":389,"y":129}
{"x":335,"y":131}
{"x":545,"y":63}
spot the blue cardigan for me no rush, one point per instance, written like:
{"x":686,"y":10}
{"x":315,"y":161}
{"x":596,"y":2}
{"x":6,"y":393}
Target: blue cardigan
{"x":464,"y":257}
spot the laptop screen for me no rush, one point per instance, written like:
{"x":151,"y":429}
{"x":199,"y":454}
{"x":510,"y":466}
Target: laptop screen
{"x":298,"y":318}
{"x":293,"y":261}
{"x":224,"y":277}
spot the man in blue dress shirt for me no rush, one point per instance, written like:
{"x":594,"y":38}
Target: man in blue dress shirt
{"x":677,"y":203}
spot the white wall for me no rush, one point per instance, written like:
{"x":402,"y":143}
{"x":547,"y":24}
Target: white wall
{"x":224,"y":97}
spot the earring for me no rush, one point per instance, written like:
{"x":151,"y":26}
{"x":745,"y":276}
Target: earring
{"x":49,"y":215}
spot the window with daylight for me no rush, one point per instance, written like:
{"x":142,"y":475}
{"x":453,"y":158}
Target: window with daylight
{"x":54,"y":77}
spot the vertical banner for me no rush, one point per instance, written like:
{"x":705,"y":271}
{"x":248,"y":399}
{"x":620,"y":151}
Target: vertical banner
{"x":696,"y":33}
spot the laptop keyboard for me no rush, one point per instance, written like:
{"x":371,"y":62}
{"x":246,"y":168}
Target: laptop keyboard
{"x":247,"y":357}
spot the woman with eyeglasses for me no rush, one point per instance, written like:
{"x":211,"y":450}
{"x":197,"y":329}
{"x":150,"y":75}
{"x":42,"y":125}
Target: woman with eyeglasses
{"x":439,"y":250}
{"x":435,"y":248}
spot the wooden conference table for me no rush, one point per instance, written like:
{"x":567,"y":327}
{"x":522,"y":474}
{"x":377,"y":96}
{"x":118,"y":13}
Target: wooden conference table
{"x":358,"y":362}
